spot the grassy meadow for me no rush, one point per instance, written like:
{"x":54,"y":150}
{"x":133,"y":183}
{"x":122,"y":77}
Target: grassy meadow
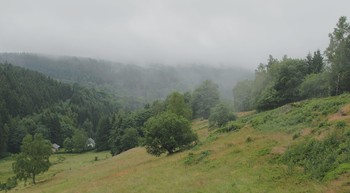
{"x":240,"y":161}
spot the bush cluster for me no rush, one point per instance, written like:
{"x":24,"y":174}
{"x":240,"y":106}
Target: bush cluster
{"x":319,"y":158}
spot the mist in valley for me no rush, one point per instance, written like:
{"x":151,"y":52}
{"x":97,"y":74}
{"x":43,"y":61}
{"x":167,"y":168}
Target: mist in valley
{"x":142,"y":51}
{"x":132,"y":84}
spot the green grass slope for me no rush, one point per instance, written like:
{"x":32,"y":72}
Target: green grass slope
{"x":240,"y":161}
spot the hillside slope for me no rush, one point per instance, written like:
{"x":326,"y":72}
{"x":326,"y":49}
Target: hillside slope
{"x":246,"y":160}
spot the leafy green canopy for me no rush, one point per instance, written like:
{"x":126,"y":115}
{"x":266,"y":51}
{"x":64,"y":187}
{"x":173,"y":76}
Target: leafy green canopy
{"x":280,"y":82}
{"x":220,"y":115}
{"x":338,"y":54}
{"x":290,"y":80}
{"x":176,"y":104}
{"x":205,"y":97}
{"x":33,"y":159}
{"x":168,"y":132}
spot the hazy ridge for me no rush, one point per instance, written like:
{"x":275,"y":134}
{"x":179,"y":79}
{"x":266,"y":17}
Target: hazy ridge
{"x":135,"y":84}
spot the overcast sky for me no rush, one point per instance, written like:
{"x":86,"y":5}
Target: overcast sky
{"x":218,"y":32}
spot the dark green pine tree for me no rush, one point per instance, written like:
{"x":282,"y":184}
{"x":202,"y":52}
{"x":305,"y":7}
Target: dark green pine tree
{"x":3,"y":139}
{"x":103,"y":133}
{"x":314,"y":63}
{"x":55,"y":130}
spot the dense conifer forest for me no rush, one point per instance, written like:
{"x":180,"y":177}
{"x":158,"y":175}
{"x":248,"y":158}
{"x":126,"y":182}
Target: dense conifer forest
{"x":34,"y":103}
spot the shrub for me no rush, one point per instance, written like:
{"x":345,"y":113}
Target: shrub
{"x":10,"y":183}
{"x":220,"y":115}
{"x":192,"y":158}
{"x":231,"y":126}
{"x":319,"y":157}
{"x":340,"y":124}
{"x":296,"y":135}
{"x":248,"y":140}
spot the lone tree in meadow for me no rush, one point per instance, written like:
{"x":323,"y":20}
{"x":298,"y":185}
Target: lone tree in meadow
{"x":33,"y":159}
{"x":168,"y":132}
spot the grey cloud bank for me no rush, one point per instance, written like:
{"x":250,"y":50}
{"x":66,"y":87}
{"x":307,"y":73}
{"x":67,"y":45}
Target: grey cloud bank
{"x":220,"y":32}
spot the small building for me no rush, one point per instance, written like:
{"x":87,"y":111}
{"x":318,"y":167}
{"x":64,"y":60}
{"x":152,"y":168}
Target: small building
{"x":55,"y":147}
{"x":90,"y":143}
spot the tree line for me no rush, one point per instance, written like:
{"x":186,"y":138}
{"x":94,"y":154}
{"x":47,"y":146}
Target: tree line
{"x":164,"y":125}
{"x":288,"y":80}
{"x":161,"y":127}
{"x":68,"y":114}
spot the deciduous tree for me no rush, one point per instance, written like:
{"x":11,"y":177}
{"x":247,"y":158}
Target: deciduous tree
{"x":338,"y":54}
{"x":220,"y":115}
{"x":33,"y":159}
{"x":79,"y":140}
{"x":168,"y":132}
{"x":205,"y":97}
{"x":68,"y":145}
{"x":176,"y":104}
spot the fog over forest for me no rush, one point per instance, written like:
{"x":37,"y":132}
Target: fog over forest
{"x":218,"y":33}
{"x":175,"y":96}
{"x":135,"y":84}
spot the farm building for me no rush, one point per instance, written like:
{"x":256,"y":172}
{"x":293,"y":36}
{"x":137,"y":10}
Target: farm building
{"x":55,"y":147}
{"x":90,"y":143}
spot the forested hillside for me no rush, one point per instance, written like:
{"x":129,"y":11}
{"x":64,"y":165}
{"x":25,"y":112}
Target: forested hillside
{"x":286,"y":80}
{"x":24,"y":92}
{"x":132,"y":84}
{"x":31,"y":102}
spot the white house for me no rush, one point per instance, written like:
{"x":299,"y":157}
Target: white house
{"x":55,"y":147}
{"x":90,"y":143}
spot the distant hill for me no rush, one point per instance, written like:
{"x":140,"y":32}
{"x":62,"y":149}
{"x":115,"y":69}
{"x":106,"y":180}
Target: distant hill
{"x":136,"y":84}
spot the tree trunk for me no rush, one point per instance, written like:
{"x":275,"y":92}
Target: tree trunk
{"x":337,"y":89}
{"x":33,"y":178}
{"x":170,"y":151}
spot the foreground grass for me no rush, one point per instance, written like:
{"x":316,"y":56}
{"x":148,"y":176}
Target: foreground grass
{"x":233,"y":165}
{"x":241,"y":161}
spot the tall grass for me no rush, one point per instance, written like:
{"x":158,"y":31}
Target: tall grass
{"x":295,"y":116}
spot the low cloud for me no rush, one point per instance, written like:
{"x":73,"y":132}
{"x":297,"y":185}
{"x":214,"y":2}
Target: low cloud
{"x":222,"y":32}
